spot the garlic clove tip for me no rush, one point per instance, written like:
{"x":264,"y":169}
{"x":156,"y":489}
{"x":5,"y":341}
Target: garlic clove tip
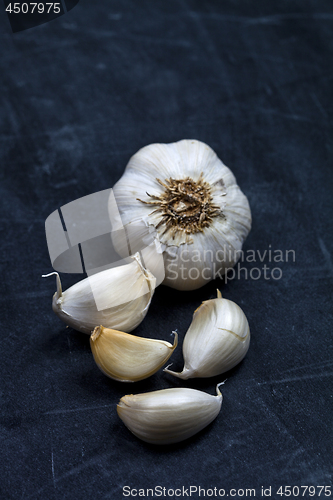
{"x":217,"y":388}
{"x":184,"y":375}
{"x":59,"y":287}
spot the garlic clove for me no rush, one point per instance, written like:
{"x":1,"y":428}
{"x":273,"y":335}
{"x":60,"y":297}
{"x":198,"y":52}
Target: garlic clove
{"x":216,"y":341}
{"x":130,"y":287}
{"x":192,"y":199}
{"x":169,"y":415}
{"x":128,"y":358}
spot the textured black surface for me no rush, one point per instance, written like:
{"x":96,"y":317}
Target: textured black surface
{"x":78,"y":97}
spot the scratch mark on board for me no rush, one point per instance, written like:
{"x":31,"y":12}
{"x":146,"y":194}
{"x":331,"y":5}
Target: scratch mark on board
{"x":84,"y":408}
{"x":327,"y":255}
{"x":295,"y":379}
{"x":318,"y":104}
{"x":70,"y":351}
{"x":73,"y":471}
{"x":273,"y":19}
{"x":52,"y":467}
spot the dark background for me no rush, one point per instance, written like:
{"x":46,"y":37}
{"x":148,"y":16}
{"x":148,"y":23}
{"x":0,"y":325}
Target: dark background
{"x":79,"y":96}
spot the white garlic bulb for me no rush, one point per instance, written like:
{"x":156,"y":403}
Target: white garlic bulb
{"x":128,"y":358}
{"x":193,"y":201}
{"x":169,"y":415}
{"x":216,"y":341}
{"x":124,"y":291}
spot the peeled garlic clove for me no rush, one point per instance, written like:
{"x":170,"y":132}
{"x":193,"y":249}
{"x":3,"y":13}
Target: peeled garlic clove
{"x":192,"y":199}
{"x":216,"y":341}
{"x":130,"y":287}
{"x":128,"y":358}
{"x":170,"y":415}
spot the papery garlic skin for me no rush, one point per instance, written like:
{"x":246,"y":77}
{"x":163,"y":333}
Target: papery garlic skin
{"x":216,"y":341}
{"x":169,"y":415}
{"x":131,"y":286}
{"x":127,"y":358}
{"x":192,"y":199}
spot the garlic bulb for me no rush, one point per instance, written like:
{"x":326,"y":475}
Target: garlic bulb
{"x":169,"y":415}
{"x":128,"y":358}
{"x":193,"y":201}
{"x":125,"y":293}
{"x":216,"y":341}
